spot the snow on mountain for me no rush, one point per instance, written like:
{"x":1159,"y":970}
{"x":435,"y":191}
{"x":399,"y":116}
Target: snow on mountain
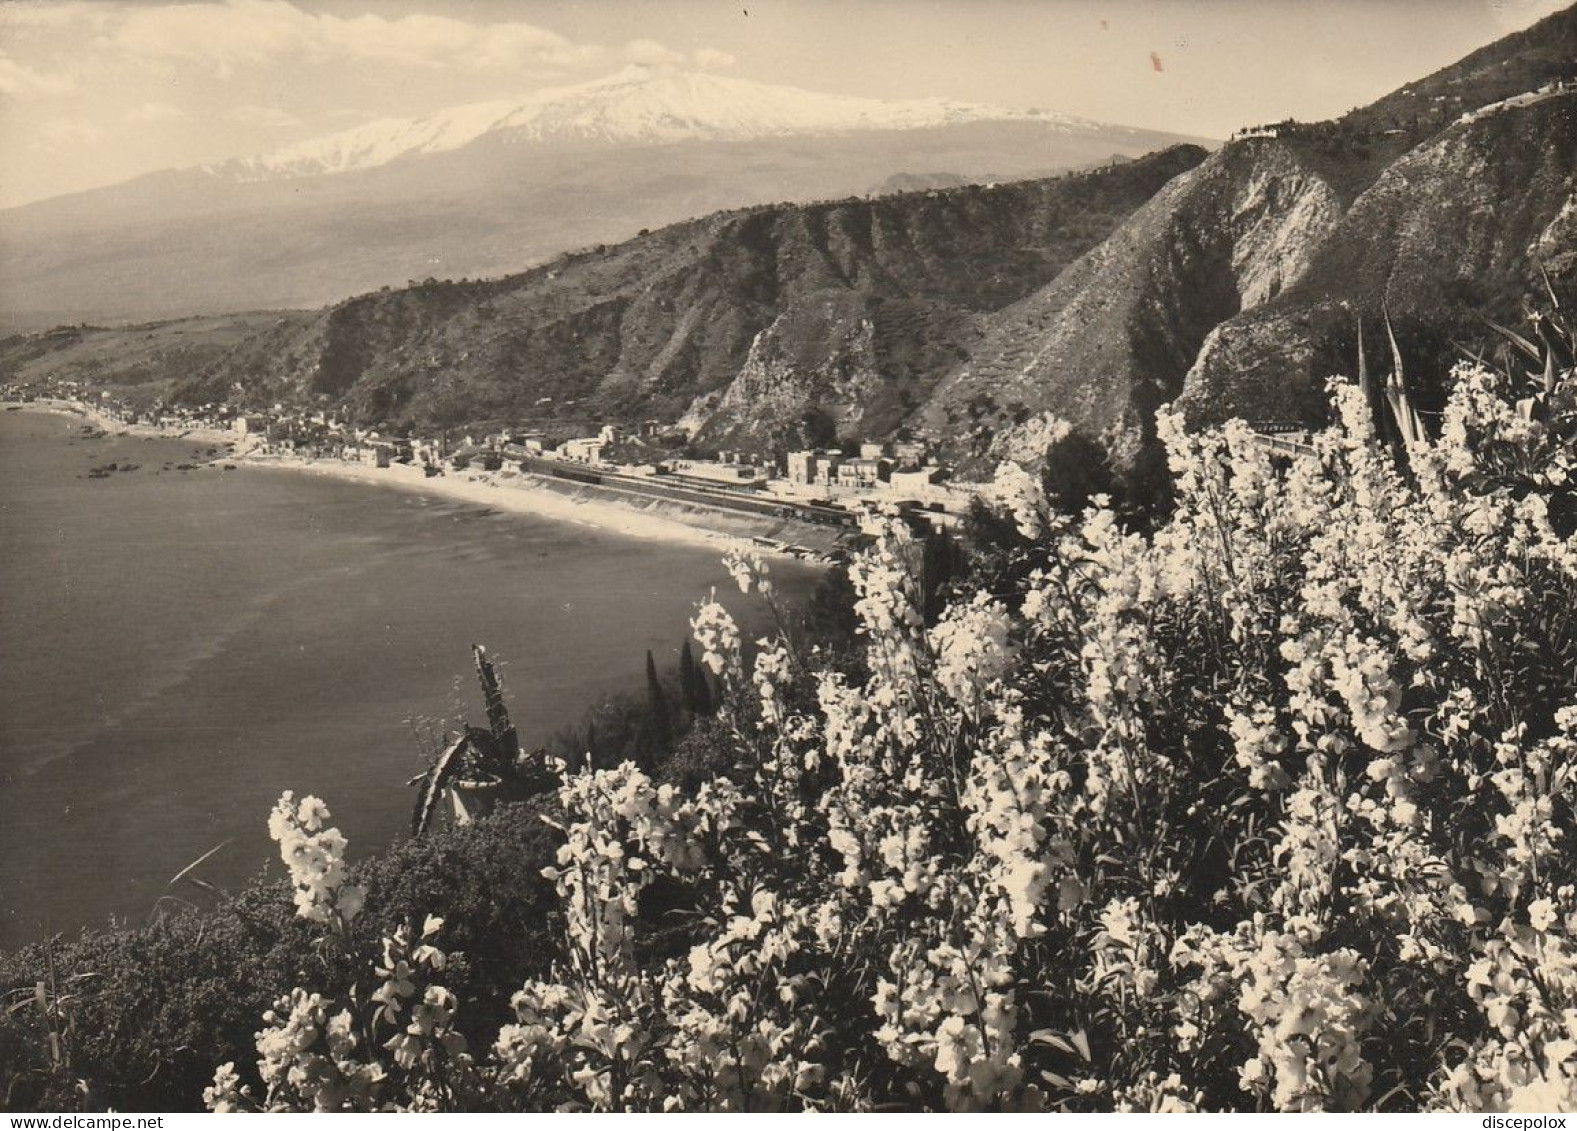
{"x":638,"y":105}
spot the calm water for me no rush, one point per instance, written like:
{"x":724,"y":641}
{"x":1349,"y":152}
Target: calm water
{"x":176,"y":648}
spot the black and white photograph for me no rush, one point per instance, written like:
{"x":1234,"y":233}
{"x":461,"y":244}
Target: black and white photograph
{"x":836,"y":556}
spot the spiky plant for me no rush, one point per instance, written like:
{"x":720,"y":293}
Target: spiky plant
{"x":489,"y":757}
{"x":1550,"y":356}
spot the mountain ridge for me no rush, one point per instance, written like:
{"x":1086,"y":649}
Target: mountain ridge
{"x":650,"y":327}
{"x":636,"y":106}
{"x":1229,"y":282}
{"x":458,"y":198}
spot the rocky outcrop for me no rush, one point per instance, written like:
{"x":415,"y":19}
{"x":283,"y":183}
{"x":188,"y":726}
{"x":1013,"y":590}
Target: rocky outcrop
{"x":1112,"y":338}
{"x":766,"y":405}
{"x":1278,"y":218}
{"x":1455,"y":231}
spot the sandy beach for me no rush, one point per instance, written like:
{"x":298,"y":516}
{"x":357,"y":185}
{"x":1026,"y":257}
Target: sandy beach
{"x":213,"y":437}
{"x":508,"y":491}
{"x":516,"y":493}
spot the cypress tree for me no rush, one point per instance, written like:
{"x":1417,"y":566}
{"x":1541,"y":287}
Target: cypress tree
{"x":692,"y":683}
{"x":658,"y":721}
{"x":941,"y":562}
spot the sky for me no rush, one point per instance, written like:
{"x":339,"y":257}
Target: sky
{"x":94,"y":92}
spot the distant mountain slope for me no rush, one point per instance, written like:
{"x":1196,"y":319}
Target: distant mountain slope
{"x":152,"y":357}
{"x":919,"y":182}
{"x":483,"y":191}
{"x":855,"y":308}
{"x":1231,"y":282}
{"x":637,"y":106}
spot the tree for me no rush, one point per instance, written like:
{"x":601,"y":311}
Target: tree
{"x":1074,"y":470}
{"x":818,"y":429}
{"x":657,"y":731}
{"x":942,"y":563}
{"x":692,"y":684}
{"x":830,"y":620}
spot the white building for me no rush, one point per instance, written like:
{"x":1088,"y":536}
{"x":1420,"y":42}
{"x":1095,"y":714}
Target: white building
{"x":587,"y":449}
{"x":814,"y":468}
{"x":863,"y":472}
{"x":917,"y":481}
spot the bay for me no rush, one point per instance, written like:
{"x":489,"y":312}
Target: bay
{"x":178,"y":647}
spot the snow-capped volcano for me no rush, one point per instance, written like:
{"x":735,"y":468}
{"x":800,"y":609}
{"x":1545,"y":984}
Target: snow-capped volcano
{"x":489,"y":188}
{"x":636,"y":106}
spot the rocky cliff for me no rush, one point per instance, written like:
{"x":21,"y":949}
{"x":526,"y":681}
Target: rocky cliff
{"x":1465,"y":226}
{"x":1232,"y":282}
{"x":739,"y":322}
{"x":1112,"y":338}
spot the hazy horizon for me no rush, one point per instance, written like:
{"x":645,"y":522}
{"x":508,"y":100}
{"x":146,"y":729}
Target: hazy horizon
{"x":93,"y":93}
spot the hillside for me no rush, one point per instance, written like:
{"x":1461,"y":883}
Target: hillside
{"x":482,"y":191}
{"x":1231,"y":281}
{"x":661,"y":326}
{"x":1458,"y":230}
{"x":1109,"y":340}
{"x":1522,"y":61}
{"x":144,"y":360}
{"x":1237,"y":290}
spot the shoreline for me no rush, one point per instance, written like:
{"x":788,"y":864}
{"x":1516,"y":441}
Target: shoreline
{"x":512,"y":492}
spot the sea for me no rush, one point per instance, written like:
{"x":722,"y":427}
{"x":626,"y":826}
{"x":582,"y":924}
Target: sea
{"x":177,"y":647}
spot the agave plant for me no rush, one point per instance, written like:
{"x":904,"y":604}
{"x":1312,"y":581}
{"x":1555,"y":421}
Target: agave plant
{"x":482,"y":764}
{"x":1551,"y":397}
{"x":1393,"y":393}
{"x":1551,"y":355}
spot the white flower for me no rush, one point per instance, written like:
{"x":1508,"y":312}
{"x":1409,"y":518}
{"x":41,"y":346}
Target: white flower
{"x":1021,"y":496}
{"x":1542,"y":915}
{"x":718,"y":636}
{"x":315,"y":858}
{"x":971,"y":647}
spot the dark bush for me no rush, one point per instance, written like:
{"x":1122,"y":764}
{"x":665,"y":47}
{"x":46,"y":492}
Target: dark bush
{"x":146,"y":1015}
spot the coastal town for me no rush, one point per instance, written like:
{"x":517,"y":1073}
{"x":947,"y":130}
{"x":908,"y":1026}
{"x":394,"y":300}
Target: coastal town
{"x":835,"y":490}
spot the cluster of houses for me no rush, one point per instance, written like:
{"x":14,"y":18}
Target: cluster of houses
{"x":901,"y":465}
{"x":899,"y":474}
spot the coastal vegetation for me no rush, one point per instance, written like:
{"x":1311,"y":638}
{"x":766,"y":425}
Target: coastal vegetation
{"x":1228,"y":761}
{"x":1259,"y":805}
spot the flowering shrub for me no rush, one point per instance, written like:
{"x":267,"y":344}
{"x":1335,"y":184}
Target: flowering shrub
{"x":315,"y":858}
{"x":394,"y":1049}
{"x":1270,"y":808}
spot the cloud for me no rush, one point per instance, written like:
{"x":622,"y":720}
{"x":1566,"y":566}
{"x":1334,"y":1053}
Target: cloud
{"x":650,"y":53}
{"x":67,"y":133}
{"x":234,"y":33}
{"x":270,"y":116}
{"x":711,"y":59}
{"x":155,"y":112}
{"x":18,"y":81}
